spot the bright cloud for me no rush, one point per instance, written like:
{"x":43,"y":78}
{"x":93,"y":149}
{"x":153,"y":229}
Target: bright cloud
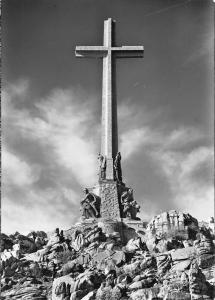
{"x":180,"y":156}
{"x":51,"y":153}
{"x":17,"y":171}
{"x":133,"y":140}
{"x":61,"y":122}
{"x":43,"y":210}
{"x":189,"y":193}
{"x":59,"y":126}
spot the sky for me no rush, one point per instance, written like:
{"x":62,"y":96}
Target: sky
{"x":51,"y":107}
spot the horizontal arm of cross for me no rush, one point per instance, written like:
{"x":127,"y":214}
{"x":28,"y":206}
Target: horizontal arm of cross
{"x":91,"y":51}
{"x":101,"y":51}
{"x":128,"y":51}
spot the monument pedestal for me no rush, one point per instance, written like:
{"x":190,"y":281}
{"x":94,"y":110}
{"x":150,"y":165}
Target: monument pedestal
{"x":109,"y":200}
{"x":130,"y":228}
{"x":126,"y":228}
{"x":135,"y":224}
{"x":110,"y":226}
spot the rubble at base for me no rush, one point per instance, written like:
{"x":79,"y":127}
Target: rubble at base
{"x":164,"y":261}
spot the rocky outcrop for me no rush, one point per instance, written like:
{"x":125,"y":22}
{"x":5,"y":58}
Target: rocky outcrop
{"x":198,"y":285}
{"x":173,"y":223}
{"x":204,"y":247}
{"x":91,"y":263}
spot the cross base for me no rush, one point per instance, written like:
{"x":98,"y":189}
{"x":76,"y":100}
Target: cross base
{"x":109,"y":200}
{"x":109,"y":169}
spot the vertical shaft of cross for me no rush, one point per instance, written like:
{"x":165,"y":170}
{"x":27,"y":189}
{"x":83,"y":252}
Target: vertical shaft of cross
{"x":109,"y":141}
{"x":109,"y":52}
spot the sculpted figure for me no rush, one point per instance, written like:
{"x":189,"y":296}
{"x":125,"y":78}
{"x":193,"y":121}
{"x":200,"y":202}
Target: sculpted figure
{"x":88,"y":205}
{"x":130,"y":206}
{"x":117,"y":167}
{"x":102,"y":166}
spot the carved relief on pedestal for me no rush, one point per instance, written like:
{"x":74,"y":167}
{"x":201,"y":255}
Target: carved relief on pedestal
{"x":109,"y":200}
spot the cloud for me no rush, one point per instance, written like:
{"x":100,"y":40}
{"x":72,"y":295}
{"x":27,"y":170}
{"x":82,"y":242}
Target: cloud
{"x":17,"y":171}
{"x":190,"y":193}
{"x":203,"y":50}
{"x":43,"y":210}
{"x":59,"y":127}
{"x":49,"y":154}
{"x":181,"y":157}
{"x":62,"y":124}
{"x":133,"y":140}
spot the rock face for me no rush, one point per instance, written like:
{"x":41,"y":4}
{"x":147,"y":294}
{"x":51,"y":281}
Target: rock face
{"x":90,"y":262}
{"x":163,"y":263}
{"x":198,"y":284}
{"x":171,"y":222}
{"x":62,"y":287}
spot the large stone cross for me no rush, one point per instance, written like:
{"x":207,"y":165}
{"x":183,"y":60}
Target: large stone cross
{"x":109,"y":141}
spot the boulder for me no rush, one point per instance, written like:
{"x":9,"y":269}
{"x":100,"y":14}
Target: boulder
{"x":180,"y":266}
{"x":163,"y":263}
{"x":178,"y":295}
{"x":118,"y":292}
{"x":8,"y":271}
{"x":132,"y":268}
{"x":205,"y":246}
{"x":6,"y":242}
{"x":101,"y":256}
{"x":60,"y":286}
{"x":108,"y":258}
{"x":84,"y":258}
{"x":89,"y":296}
{"x":206,"y":261}
{"x":136,"y":285}
{"x":54,"y":239}
{"x":118,"y":258}
{"x":6,"y":255}
{"x":72,"y":267}
{"x":95,"y":235}
{"x":134,"y":245}
{"x":183,"y":254}
{"x":198,"y":285}
{"x":79,"y":242}
{"x":27,"y":245}
{"x":35,"y":269}
{"x":184,"y":278}
{"x":37,"y":292}
{"x":148,"y":262}
{"x":104,"y":292}
{"x":164,"y":244}
{"x":84,"y":282}
{"x":150,"y":240}
{"x":142,"y":294}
